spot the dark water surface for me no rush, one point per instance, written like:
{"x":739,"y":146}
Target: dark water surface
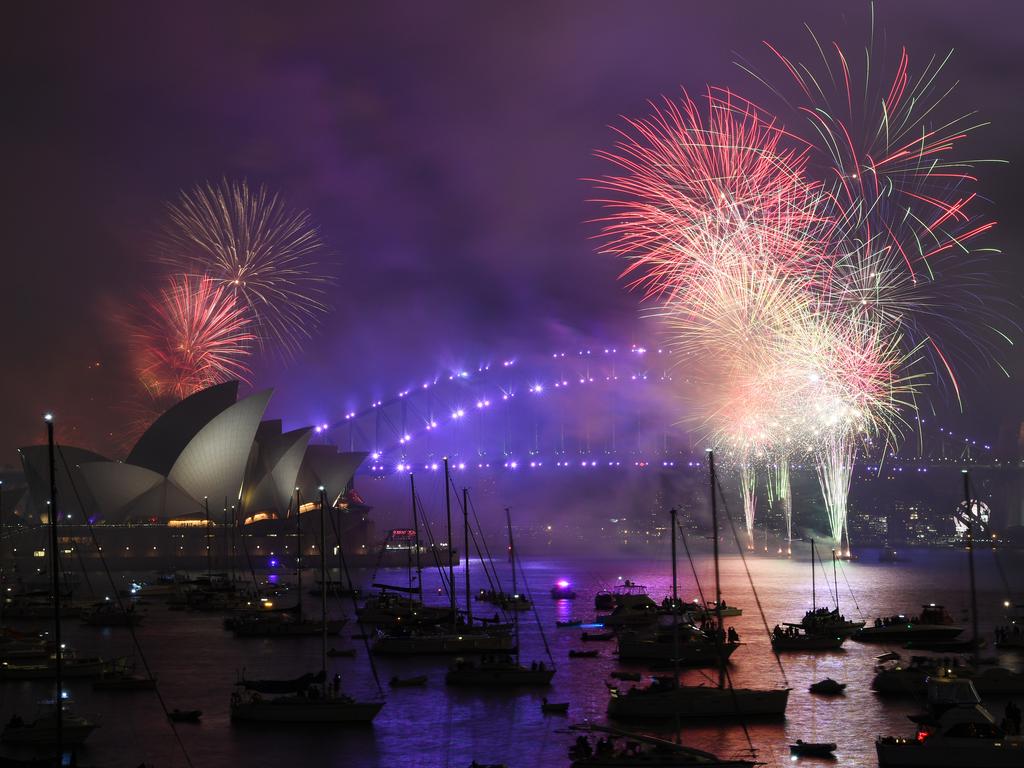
{"x":196,"y":663}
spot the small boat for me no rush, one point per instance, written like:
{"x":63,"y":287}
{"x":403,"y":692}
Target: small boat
{"x":828,"y":687}
{"x":574,"y":654}
{"x":597,"y":636}
{"x":891,"y":556}
{"x":812,"y":749}
{"x":185,"y":715}
{"x":342,"y":652}
{"x":562,"y":590}
{"x":554,"y":707}
{"x":635,"y":677}
{"x":569,"y":623}
{"x":408,"y":682}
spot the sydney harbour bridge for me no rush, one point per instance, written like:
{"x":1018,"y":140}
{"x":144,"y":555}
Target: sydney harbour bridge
{"x":597,"y":409}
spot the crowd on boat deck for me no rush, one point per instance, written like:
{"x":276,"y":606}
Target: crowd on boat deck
{"x":779,"y":632}
{"x":890,"y":621}
{"x":604,"y":747}
{"x":824,"y":613}
{"x":717,"y":633}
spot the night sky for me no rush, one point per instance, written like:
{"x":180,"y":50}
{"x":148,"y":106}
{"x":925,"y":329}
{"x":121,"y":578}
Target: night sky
{"x":441,"y":148}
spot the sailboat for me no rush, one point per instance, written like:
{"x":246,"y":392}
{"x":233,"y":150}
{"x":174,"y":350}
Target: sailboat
{"x":503,"y":669}
{"x":641,"y":750}
{"x":674,"y":641}
{"x":819,"y":630}
{"x":318,"y":702}
{"x":665,"y":698}
{"x":460,"y":636}
{"x":57,"y":724}
{"x":288,"y":622}
{"x":826,"y":621}
{"x":402,"y":606}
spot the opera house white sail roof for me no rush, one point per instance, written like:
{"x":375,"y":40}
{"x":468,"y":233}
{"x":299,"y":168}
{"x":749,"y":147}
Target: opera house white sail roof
{"x":208,"y":448}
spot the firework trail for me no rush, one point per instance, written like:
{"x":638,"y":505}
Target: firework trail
{"x":249,"y":242}
{"x":780,"y":490}
{"x":748,"y":488}
{"x":190,"y":335}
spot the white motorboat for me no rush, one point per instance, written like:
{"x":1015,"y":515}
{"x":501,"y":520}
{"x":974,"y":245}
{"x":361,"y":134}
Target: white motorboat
{"x":958,"y":733}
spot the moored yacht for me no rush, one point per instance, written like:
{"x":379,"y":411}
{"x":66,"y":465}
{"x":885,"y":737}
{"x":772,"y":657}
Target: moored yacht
{"x":640,"y":750}
{"x":960,"y":733}
{"x":685,"y":644}
{"x":794,"y":638}
{"x":446,"y":640}
{"x":895,"y":678}
{"x":632,"y":611}
{"x":503,"y":670}
{"x":313,"y":702}
{"x":826,"y":621}
{"x":316,"y":704}
{"x":607,"y":599}
{"x":42,"y":731}
{"x":934,"y":623}
{"x":664,"y":700}
{"x":388,"y":608}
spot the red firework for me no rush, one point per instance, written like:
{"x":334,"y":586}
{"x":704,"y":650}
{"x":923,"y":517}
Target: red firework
{"x":692,"y":187}
{"x":192,"y":334}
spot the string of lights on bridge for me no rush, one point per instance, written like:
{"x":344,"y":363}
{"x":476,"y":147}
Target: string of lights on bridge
{"x":379,"y":463}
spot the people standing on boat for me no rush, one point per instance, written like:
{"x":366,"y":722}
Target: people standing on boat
{"x":734,"y":636}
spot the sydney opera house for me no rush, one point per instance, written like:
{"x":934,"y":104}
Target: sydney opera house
{"x":210,"y":479}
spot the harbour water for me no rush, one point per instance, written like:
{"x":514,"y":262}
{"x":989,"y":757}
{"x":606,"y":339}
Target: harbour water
{"x":196,"y":663}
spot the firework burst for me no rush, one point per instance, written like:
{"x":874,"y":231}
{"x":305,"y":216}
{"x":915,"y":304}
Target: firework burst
{"x":250,"y":243}
{"x":190,"y":335}
{"x":812,"y":281}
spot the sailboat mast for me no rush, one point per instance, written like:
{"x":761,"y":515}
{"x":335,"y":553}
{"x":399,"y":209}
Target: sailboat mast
{"x":675,"y":604}
{"x":209,"y":550}
{"x":814,"y":591}
{"x":675,"y":583}
{"x":835,"y":579}
{"x":416,"y":536}
{"x":465,"y":551}
{"x":515,"y":588}
{"x":323,"y":591}
{"x":3,"y":596}
{"x":55,"y":568}
{"x":451,"y":562}
{"x":718,"y":581}
{"x":298,"y":550}
{"x":970,"y":563}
